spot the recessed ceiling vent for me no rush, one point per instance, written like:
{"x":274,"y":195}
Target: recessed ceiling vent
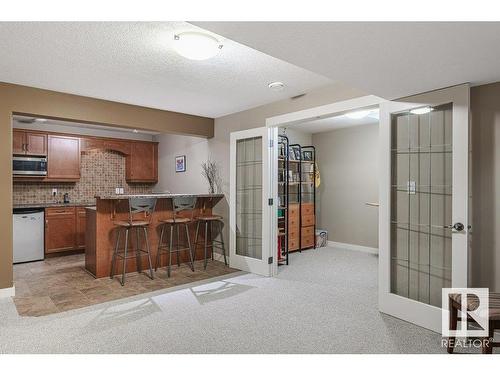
{"x":297,"y":96}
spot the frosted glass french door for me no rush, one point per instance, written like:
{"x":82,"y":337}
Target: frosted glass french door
{"x":250,"y":190}
{"x":423,"y":218}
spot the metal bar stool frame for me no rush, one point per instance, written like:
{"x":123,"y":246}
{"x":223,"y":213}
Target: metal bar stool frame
{"x":179,"y":204}
{"x":213,"y":243}
{"x":136,"y":205}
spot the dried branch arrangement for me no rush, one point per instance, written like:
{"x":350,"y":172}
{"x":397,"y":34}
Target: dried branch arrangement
{"x":210,"y":170}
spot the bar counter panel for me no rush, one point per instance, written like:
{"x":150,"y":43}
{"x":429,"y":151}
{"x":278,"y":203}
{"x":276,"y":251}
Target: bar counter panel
{"x":101,"y":232}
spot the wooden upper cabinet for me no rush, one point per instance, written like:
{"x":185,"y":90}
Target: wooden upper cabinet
{"x":18,"y":142}
{"x":117,"y":145}
{"x":142,"y":163}
{"x":63,"y":158}
{"x":36,"y":144}
{"x":29,"y":143}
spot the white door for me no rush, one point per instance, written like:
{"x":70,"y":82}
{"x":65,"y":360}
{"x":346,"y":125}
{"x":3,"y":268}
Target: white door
{"x":423,"y":218}
{"x":251,"y":212}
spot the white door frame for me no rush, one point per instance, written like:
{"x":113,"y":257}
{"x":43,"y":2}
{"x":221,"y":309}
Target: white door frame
{"x":404,"y":308}
{"x":324,"y":111}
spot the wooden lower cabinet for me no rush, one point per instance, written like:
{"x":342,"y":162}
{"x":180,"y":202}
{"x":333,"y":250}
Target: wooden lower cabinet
{"x":64,"y":229}
{"x":81,"y":222}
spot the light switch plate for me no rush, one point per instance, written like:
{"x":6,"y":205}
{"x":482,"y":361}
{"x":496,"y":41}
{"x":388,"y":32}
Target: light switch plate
{"x":121,"y":190}
{"x":117,"y":190}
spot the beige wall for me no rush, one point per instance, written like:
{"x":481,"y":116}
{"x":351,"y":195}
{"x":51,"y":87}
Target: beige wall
{"x":196,"y":151}
{"x":485,"y":137}
{"x":31,"y":101}
{"x":348,"y":162}
{"x":256,"y":117}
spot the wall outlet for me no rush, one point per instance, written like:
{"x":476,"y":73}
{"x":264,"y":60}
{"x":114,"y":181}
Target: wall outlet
{"x":54,"y":192}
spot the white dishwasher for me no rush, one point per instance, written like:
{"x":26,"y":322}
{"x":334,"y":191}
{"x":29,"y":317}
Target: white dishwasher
{"x":29,"y":226}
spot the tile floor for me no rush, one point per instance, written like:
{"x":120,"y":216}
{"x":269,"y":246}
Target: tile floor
{"x":61,"y":284}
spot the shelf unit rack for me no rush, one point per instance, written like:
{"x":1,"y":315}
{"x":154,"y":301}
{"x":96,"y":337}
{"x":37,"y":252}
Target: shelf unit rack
{"x":283,"y":194}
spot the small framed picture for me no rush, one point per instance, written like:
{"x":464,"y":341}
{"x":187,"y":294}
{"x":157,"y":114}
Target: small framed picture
{"x":180,"y":163}
{"x":297,"y":154}
{"x":307,"y":155}
{"x":291,"y":154}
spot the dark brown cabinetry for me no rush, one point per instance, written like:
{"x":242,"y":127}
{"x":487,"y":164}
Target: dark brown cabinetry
{"x":60,"y":229}
{"x":29,"y":143}
{"x":63,"y":159}
{"x":64,"y":229}
{"x":142,"y":163}
{"x":80,"y":227}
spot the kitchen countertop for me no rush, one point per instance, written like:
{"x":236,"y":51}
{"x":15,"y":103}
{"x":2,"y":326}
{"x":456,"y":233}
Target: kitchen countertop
{"x":158,"y":195}
{"x":45,"y":205}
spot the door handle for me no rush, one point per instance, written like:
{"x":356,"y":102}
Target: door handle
{"x":457,"y":226}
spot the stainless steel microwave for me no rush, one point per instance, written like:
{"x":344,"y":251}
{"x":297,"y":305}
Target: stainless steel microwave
{"x":29,"y":166}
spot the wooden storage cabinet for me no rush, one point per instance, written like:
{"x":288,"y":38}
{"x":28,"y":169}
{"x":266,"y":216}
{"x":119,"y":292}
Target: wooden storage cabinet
{"x":29,"y":143}
{"x":308,"y":225}
{"x":60,"y":229}
{"x":81,"y":222}
{"x":142,"y":163}
{"x":64,"y":229}
{"x":63,"y":160}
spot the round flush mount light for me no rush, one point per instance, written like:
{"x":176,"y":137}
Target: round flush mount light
{"x":276,"y":86}
{"x":196,"y":46}
{"x":358,"y":114}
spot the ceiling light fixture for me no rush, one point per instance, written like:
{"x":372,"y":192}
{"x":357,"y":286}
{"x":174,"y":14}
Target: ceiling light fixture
{"x":276,"y":86}
{"x":41,"y":120}
{"x":135,"y":131}
{"x":358,"y":114}
{"x":421,"y":111}
{"x":196,"y":46}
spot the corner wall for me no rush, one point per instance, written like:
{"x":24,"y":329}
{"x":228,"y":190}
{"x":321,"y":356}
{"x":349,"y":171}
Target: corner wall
{"x":348,"y":163}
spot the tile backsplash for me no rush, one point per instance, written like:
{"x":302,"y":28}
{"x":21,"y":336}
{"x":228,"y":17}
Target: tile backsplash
{"x":101,"y":172}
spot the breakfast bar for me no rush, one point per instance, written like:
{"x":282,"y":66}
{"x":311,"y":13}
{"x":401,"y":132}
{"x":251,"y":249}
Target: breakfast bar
{"x":101,"y":230}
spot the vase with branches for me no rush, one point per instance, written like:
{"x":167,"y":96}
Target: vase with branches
{"x":210,"y":170}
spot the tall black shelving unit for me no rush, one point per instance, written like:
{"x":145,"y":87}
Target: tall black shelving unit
{"x":298,"y":147}
{"x":283,"y":194}
{"x":311,"y":180}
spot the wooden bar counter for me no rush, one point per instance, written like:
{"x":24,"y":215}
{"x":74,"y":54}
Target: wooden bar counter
{"x":101,"y":233}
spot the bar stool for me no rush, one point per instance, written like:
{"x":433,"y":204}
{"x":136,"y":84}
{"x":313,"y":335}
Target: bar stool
{"x":179,"y":204}
{"x":137,"y":206}
{"x":216,"y":227}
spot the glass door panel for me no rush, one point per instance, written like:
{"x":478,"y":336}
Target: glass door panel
{"x":249,"y":197}
{"x":421,"y":204}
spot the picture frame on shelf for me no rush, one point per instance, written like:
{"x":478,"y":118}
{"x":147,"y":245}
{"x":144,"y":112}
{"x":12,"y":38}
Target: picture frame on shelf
{"x":291,"y":153}
{"x":297,"y":154}
{"x":307,"y":155}
{"x":180,"y":163}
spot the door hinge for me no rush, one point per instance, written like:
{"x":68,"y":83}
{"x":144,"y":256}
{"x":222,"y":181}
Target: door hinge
{"x":271,"y":143}
{"x":270,"y":260}
{"x":270,"y":202}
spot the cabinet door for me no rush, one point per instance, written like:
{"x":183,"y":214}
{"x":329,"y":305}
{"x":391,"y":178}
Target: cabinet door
{"x":36,"y":144}
{"x":63,"y":158}
{"x":18,"y":142}
{"x":60,"y":229}
{"x":142,"y":164}
{"x":80,"y":227}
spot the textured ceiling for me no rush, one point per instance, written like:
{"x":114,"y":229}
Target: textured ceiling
{"x":135,"y":63}
{"x":390,"y":60}
{"x":336,"y":122}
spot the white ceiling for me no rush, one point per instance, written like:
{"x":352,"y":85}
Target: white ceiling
{"x":135,"y":63}
{"x":335,"y":122}
{"x":390,"y":60}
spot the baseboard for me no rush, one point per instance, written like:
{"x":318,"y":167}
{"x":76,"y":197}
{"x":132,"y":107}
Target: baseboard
{"x":348,"y":246}
{"x":8,"y":292}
